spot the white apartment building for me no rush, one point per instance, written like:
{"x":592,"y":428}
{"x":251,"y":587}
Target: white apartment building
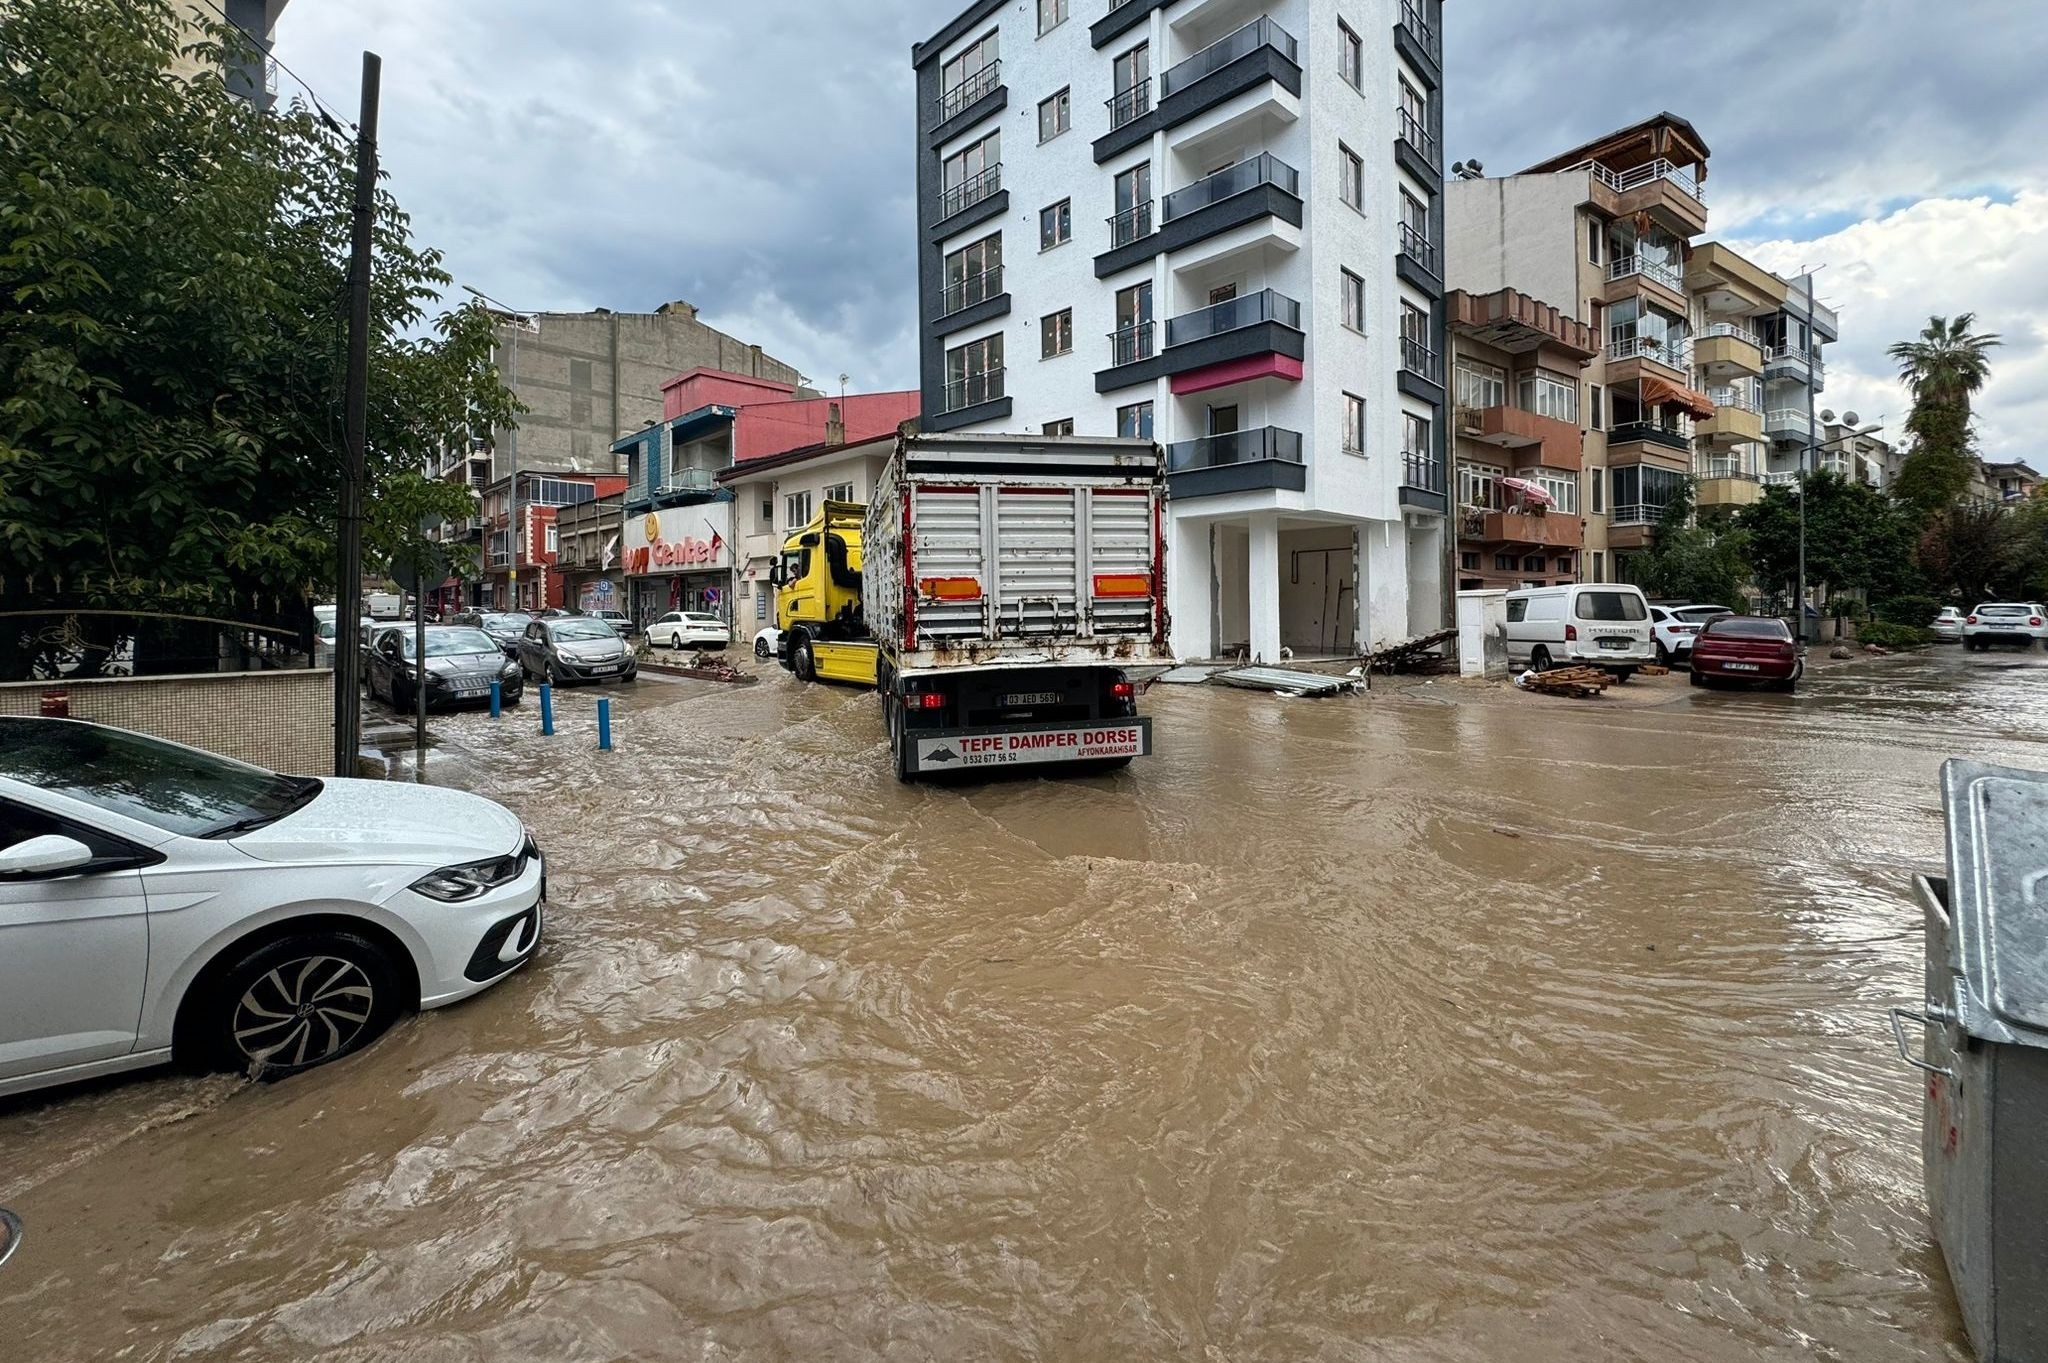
{"x":1216,"y":224}
{"x":778,"y":494}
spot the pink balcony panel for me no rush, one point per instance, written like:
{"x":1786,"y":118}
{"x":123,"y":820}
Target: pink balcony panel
{"x":1222,"y":375}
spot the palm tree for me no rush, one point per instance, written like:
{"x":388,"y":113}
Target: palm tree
{"x":1947,"y":364}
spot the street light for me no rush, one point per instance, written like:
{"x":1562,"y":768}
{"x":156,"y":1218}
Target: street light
{"x":1813,"y":450}
{"x":512,"y":535}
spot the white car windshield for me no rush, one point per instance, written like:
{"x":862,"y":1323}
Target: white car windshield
{"x":165,"y":786}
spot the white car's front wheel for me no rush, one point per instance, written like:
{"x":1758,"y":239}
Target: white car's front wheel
{"x":293,"y":1004}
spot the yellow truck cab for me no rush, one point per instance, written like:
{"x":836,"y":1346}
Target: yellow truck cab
{"x":818,"y":599}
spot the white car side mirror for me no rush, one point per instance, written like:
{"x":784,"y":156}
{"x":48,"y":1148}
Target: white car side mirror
{"x":44,"y":856}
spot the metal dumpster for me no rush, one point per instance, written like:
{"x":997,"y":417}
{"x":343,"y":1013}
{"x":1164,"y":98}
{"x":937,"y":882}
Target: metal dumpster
{"x":1984,"y":1125}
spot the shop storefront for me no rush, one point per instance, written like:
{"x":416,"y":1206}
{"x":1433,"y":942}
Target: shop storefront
{"x":679,"y":559}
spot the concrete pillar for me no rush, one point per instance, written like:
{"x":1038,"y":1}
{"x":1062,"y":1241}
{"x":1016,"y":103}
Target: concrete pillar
{"x":1386,"y":555}
{"x":1190,"y":569}
{"x":1264,"y":582}
{"x":1425,"y":577}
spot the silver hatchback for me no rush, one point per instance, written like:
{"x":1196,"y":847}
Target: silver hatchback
{"x":575,"y":648}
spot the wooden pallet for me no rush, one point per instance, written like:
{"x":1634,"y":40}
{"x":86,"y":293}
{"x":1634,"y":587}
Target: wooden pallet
{"x":1583,"y":683}
{"x":1653,"y":670}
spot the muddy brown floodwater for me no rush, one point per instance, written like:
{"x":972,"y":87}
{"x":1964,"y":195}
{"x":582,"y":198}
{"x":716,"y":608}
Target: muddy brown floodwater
{"x":1387,"y":1029}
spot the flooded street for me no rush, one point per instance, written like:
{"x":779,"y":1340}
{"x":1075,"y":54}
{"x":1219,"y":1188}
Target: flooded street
{"x":1426,"y":1026}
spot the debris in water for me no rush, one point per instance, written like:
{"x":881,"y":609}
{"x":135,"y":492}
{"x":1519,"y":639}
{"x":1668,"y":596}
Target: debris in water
{"x":1286,"y":683}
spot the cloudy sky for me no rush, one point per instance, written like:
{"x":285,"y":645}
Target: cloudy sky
{"x":755,"y":157}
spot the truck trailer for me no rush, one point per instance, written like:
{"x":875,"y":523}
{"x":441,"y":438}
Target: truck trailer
{"x":996,"y":593}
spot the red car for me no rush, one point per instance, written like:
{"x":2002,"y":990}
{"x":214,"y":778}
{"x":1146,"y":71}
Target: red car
{"x":1746,"y":648}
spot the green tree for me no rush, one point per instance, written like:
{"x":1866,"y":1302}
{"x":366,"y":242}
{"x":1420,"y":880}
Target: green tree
{"x":1689,"y":560}
{"x":173,"y":264}
{"x":1944,"y":370}
{"x":1857,"y":538}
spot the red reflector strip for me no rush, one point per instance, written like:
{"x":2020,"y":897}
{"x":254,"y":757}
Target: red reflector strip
{"x":1123,"y":690}
{"x":951,"y":588}
{"x":931,"y":700}
{"x":1123,"y":584}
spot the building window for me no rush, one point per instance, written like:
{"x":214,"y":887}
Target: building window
{"x":971,"y":174}
{"x":554,"y":539}
{"x":839,"y":492}
{"x":1132,"y":340}
{"x":1504,"y":563}
{"x":558,"y":492}
{"x":1056,"y":334}
{"x":1596,"y":407}
{"x":796,"y":510}
{"x":1065,"y":426}
{"x":1350,"y":56}
{"x":1354,"y":301}
{"x":767,"y":521}
{"x":974,"y":274}
{"x":1533,"y":563}
{"x":1593,"y":240}
{"x":1476,"y":486}
{"x":1135,"y":421}
{"x":1419,"y":465}
{"x":1055,"y":115}
{"x":1051,"y":14}
{"x":1563,"y":489}
{"x":1547,"y":394}
{"x":1480,"y":385}
{"x":1599,"y":493}
{"x":968,"y":76}
{"x":1415,"y":120}
{"x":1354,"y":424}
{"x":1599,"y":561}
{"x":974,"y":373}
{"x":1564,"y":563}
{"x":1133,"y":206}
{"x":1056,"y":225}
{"x":1351,"y":177}
{"x":1131,"y":76}
{"x":1469,"y":562}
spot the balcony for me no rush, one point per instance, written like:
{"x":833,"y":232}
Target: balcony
{"x":688,"y":482}
{"x":1535,"y":529}
{"x":1416,"y":145}
{"x":1628,"y":275}
{"x":970,"y":398}
{"x":1422,"y":471}
{"x":1535,"y":439}
{"x":1790,"y":362}
{"x":1422,"y":362}
{"x":1788,"y":423}
{"x":1736,"y":419}
{"x":1132,"y":225}
{"x":1239,"y":461}
{"x":1726,"y":285}
{"x":970,"y":91}
{"x":971,"y":191}
{"x":1417,"y":39}
{"x":1725,"y":351}
{"x":1661,"y":188}
{"x":1629,"y":357}
{"x":1259,"y":53}
{"x":1419,"y":261}
{"x":1258,"y":187}
{"x":1645,"y":442}
{"x":1729,"y":488}
{"x":1255,"y":335}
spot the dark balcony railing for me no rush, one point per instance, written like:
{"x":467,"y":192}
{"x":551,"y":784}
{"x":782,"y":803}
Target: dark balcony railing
{"x":971,"y":191}
{"x":1417,"y":246}
{"x":971,"y":389}
{"x":1413,"y":20}
{"x":1418,"y":358}
{"x":1129,"y":104}
{"x":1131,"y":224}
{"x":1235,"y":447}
{"x":1421,"y":470}
{"x":1260,"y":32}
{"x":970,"y":89}
{"x":1418,"y":137}
{"x":1650,"y":431}
{"x":1128,"y":345}
{"x":975,"y":288}
{"x":1247,"y":310}
{"x":1263,"y":169}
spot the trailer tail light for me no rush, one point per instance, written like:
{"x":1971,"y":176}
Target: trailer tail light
{"x":929,"y":700}
{"x":1123,"y":584}
{"x":951,"y":589}
{"x":1571,"y":634}
{"x":1124,"y":690}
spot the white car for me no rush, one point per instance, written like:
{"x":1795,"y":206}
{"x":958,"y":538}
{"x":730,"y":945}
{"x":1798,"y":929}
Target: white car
{"x":618,"y":620}
{"x":689,"y":629}
{"x":2005,"y":622}
{"x":1604,"y":625}
{"x":160,"y":903}
{"x":1674,"y":628}
{"x":1947,"y":626}
{"x":768,"y":642}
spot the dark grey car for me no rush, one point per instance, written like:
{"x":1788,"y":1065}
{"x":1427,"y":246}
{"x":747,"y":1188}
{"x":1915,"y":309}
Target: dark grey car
{"x":574,"y":648}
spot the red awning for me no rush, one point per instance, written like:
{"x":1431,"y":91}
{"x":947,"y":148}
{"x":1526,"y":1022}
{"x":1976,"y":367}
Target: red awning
{"x":1663,"y":393}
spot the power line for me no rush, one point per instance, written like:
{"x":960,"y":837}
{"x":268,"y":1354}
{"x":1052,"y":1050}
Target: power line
{"x":332,"y":119}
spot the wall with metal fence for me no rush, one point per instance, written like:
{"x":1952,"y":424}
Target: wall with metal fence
{"x":279,"y":719}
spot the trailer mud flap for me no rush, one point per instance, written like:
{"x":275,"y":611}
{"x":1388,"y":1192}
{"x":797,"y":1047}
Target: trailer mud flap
{"x":1029,"y":744}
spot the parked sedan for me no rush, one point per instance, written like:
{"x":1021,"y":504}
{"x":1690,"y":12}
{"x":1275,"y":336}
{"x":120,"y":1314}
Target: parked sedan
{"x":1746,"y":648}
{"x":768,"y":642}
{"x":575,"y":649}
{"x":506,"y":627}
{"x":689,"y":629}
{"x":159,"y":903}
{"x":1947,"y":627}
{"x":461,"y":665}
{"x":2005,"y":622}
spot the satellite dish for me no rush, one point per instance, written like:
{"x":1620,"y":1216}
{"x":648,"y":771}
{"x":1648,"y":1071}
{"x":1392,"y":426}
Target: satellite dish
{"x":1828,"y":415}
{"x":1851,"y":419}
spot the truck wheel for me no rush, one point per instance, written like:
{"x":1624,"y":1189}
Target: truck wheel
{"x":805,"y":664}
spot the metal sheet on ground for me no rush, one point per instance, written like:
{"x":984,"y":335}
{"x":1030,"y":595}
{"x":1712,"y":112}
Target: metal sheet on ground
{"x":1287,"y":682}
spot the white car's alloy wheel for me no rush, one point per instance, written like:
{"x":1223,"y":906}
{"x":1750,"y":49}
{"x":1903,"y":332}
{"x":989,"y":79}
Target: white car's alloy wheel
{"x":303,"y":1012}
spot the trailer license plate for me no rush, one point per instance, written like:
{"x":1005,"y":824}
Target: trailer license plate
{"x":1033,"y":698}
{"x":1083,"y":743}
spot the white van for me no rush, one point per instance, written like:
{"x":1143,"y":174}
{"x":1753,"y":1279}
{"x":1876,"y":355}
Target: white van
{"x":1599,"y":624}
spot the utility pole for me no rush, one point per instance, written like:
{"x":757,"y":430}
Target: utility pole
{"x":348,"y":698}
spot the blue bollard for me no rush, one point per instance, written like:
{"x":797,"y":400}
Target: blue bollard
{"x":604,"y":724}
{"x":547,"y":709}
{"x":497,"y":697}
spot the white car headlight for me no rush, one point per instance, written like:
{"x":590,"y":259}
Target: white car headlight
{"x":453,"y":884}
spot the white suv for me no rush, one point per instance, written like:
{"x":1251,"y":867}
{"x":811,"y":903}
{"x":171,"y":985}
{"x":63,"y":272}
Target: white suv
{"x":2005,"y":622}
{"x":1675,"y":628}
{"x":689,"y":629}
